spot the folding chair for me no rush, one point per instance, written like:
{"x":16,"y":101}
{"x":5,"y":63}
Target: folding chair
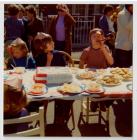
{"x":86,"y":112}
{"x":70,"y":60}
{"x":38,"y":130}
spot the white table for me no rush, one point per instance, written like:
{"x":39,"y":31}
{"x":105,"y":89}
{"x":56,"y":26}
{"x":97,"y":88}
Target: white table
{"x":113,"y":92}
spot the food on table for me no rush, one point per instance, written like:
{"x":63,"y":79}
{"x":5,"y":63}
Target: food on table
{"x":69,"y":88}
{"x":100,"y":71}
{"x":94,"y":87}
{"x":125,"y":73}
{"x":53,"y":75}
{"x":87,"y":75}
{"x":110,"y":80}
{"x":37,"y":88}
{"x":19,"y":70}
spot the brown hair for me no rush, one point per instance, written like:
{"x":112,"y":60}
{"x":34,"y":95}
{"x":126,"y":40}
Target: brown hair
{"x":21,"y":8}
{"x":20,"y":45}
{"x":13,"y":9}
{"x":31,"y":9}
{"x":14,"y":100}
{"x":42,"y":42}
{"x":93,"y":31}
{"x":62,"y":6}
{"x":107,"y":9}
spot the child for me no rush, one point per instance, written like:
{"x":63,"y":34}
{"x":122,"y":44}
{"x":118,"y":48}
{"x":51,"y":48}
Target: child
{"x":19,"y":56}
{"x":14,"y":103}
{"x":49,"y":57}
{"x":96,"y":56}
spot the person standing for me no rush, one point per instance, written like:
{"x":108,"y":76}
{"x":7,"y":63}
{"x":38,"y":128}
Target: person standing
{"x":60,"y":29}
{"x":13,"y":27}
{"x":107,"y":25}
{"x":22,"y":16}
{"x":124,"y":37}
{"x":34,"y":26}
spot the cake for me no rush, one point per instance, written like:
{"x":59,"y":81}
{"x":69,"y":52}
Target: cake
{"x":53,"y":75}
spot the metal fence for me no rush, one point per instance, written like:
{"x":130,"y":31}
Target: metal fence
{"x":80,"y":31}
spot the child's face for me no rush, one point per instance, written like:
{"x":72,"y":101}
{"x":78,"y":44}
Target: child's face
{"x":49,"y":47}
{"x":17,"y":53}
{"x":97,"y":37}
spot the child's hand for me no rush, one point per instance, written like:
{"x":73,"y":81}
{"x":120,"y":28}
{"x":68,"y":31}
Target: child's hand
{"x":49,"y":58}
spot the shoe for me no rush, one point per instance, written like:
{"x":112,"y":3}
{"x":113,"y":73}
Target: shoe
{"x":93,"y":106}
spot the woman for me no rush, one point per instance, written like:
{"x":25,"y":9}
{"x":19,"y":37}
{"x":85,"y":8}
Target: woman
{"x":60,"y":29}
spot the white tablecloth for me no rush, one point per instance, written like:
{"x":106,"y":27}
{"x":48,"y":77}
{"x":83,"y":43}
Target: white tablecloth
{"x":119,"y":91}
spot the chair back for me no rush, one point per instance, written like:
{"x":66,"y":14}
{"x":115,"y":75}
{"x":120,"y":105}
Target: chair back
{"x":70,"y":60}
{"x":37,"y":116}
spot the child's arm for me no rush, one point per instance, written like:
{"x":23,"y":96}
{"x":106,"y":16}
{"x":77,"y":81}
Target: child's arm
{"x":9,"y":64}
{"x":31,"y":63}
{"x":107,"y":54}
{"x":83,"y":58}
{"x":49,"y":58}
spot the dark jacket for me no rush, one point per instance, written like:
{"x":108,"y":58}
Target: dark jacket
{"x":34,"y":27}
{"x":58,"y":59}
{"x":103,"y":24}
{"x":68,"y":23}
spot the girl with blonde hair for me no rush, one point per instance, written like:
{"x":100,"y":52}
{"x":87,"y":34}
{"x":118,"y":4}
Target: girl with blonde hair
{"x":19,"y":56}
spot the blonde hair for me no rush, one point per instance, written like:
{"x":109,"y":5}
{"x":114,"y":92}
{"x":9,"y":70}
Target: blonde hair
{"x":14,"y":100}
{"x":19,"y":44}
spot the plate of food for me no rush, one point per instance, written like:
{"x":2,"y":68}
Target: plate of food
{"x":127,"y":77}
{"x":19,"y":70}
{"x":70,"y":89}
{"x":37,"y":89}
{"x":100,"y":71}
{"x":125,"y":73}
{"x":110,"y":80}
{"x":87,"y":75}
{"x":94,"y":88}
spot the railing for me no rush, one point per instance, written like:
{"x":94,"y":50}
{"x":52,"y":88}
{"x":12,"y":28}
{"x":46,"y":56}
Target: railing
{"x":80,"y":31}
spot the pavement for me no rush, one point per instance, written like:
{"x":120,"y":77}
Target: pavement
{"x":120,"y":122}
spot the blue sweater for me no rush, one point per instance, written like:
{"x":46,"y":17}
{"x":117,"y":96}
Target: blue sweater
{"x":103,"y":24}
{"x":27,"y":62}
{"x":14,"y":28}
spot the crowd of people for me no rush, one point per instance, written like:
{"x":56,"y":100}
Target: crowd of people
{"x":26,"y":44}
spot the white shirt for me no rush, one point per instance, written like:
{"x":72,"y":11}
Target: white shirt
{"x":124,"y":37}
{"x":110,"y":24}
